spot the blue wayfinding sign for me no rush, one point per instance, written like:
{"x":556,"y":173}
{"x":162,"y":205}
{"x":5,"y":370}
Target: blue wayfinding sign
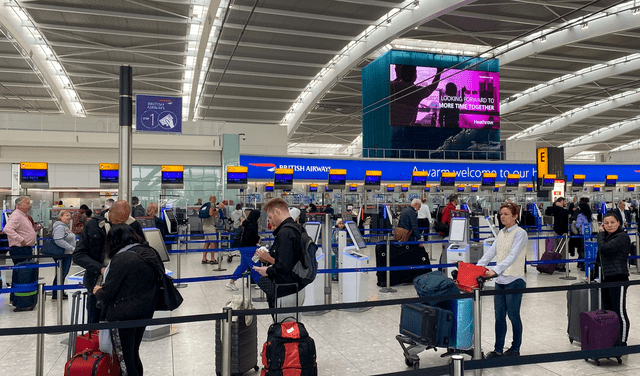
{"x":158,"y":114}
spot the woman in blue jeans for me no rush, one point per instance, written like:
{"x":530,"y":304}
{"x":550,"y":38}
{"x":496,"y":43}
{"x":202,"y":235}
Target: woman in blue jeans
{"x":250,"y":238}
{"x":510,"y":247}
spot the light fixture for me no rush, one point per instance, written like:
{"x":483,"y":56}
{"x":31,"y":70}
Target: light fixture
{"x":585,"y":25}
{"x":636,"y":11}
{"x":388,"y":21}
{"x":416,"y":4}
{"x":543,"y":39}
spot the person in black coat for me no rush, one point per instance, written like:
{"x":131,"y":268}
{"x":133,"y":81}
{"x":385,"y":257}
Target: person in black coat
{"x":250,"y":239}
{"x":130,"y":290}
{"x":623,"y":214}
{"x":89,"y":252}
{"x":613,"y":254}
{"x":283,"y":254}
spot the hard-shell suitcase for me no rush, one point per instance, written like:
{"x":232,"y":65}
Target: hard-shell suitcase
{"x":462,"y":328}
{"x":548,"y":256}
{"x":244,"y":341}
{"x":431,"y":326}
{"x":26,"y":278}
{"x":401,"y":255}
{"x":91,"y":363}
{"x":578,"y":302}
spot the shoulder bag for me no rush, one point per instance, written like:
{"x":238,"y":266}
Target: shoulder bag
{"x":169,"y":298}
{"x":401,"y":234}
{"x":50,"y":248}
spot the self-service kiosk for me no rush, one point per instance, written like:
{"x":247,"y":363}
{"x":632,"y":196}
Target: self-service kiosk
{"x":458,"y":249}
{"x":353,"y":286}
{"x":314,"y":292}
{"x":171,"y":220}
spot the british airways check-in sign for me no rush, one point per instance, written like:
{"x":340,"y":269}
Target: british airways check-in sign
{"x":158,"y":114}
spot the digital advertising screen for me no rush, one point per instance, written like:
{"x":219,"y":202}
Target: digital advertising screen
{"x":450,"y":98}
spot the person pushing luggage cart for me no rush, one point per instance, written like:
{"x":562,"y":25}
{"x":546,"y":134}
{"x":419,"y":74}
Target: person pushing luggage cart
{"x":510,"y":247}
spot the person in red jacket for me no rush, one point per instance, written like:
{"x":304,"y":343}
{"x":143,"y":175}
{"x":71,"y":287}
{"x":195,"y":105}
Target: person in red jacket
{"x":446,"y":212}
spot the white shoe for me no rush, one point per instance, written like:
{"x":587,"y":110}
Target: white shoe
{"x":231,"y":286}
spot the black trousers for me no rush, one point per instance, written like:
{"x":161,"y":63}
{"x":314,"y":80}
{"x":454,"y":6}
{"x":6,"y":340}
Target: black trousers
{"x":615,"y":299}
{"x":130,"y":339}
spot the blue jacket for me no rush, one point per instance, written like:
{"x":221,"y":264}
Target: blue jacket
{"x":409,"y":221}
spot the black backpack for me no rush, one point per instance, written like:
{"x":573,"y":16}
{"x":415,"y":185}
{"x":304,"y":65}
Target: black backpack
{"x":307,"y":267}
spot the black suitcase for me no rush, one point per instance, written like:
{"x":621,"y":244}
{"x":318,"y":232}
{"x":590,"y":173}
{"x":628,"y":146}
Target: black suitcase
{"x":430,"y":326}
{"x":401,"y":254}
{"x":25,"y":301}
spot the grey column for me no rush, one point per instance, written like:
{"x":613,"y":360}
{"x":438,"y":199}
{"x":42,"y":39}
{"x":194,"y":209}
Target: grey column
{"x":126,"y":133}
{"x":326,"y":247}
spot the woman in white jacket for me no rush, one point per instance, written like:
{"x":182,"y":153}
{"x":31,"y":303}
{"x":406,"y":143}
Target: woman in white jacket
{"x":64,"y":238}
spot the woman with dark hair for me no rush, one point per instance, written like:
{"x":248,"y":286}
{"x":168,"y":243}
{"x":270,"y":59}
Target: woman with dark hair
{"x":584,"y":218}
{"x":510,"y":247}
{"x":613,"y":254}
{"x":250,"y":239}
{"x":129,"y":292}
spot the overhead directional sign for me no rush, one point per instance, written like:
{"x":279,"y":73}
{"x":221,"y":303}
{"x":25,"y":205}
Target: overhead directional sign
{"x":158,"y":114}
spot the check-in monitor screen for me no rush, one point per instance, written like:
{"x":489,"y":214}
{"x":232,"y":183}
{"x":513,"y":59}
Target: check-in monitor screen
{"x":418,"y":180}
{"x":109,"y":176}
{"x":173,"y":177}
{"x":313,"y":230}
{"x":457,"y":229}
{"x":372,"y":180}
{"x":313,"y":188}
{"x":447,"y":181}
{"x":357,"y":238}
{"x":34,"y":176}
{"x":154,"y":237}
{"x":610,"y":183}
{"x":489,"y":181}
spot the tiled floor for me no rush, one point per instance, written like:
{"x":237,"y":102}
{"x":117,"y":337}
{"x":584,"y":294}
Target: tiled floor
{"x":347,"y":343}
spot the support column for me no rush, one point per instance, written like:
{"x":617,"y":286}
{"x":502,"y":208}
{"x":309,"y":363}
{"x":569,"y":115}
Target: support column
{"x":126,"y":133}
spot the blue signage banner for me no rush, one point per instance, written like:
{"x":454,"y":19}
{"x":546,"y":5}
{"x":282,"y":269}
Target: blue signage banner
{"x":158,"y":114}
{"x":262,"y":167}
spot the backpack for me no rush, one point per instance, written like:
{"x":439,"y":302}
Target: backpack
{"x":307,"y":267}
{"x":221,"y":222}
{"x":204,"y":211}
{"x":289,"y":350}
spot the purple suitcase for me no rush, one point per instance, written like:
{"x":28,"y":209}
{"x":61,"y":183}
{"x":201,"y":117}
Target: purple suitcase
{"x":548,"y":268}
{"x":599,"y":329}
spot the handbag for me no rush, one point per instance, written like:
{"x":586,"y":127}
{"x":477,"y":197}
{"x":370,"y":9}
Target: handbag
{"x":574,"y":229}
{"x":401,"y":234}
{"x":169,"y":298}
{"x":104,"y":339}
{"x":50,"y":248}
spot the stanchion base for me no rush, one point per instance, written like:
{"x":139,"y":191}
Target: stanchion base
{"x":315,"y":313}
{"x":569,"y":278}
{"x":181,"y":285}
{"x":261,"y":299}
{"x":386,"y":290}
{"x":220,"y":270}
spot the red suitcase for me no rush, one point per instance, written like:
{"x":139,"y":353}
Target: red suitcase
{"x":91,"y":363}
{"x":468,"y":275}
{"x":89,"y":341}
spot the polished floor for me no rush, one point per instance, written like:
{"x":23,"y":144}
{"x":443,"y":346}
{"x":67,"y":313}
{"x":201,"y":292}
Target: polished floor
{"x":348,"y":343}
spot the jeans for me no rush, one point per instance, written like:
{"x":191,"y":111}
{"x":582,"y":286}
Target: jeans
{"x":65,"y":262}
{"x":508,"y":305}
{"x":246,"y":263}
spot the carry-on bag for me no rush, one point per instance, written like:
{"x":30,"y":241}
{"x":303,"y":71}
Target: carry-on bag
{"x":289,"y":349}
{"x":578,"y":302}
{"x":435,"y":284}
{"x":401,"y":255}
{"x":244,"y":339}
{"x":548,"y":256}
{"x":91,"y":363}
{"x":84,"y":341}
{"x":431,"y":326}
{"x":462,"y":328}
{"x":469,"y":276}
{"x":26,"y":278}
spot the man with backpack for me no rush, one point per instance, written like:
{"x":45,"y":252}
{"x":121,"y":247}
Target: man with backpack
{"x":291,"y":249}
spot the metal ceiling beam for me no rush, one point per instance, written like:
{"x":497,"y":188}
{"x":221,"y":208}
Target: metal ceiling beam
{"x":176,"y":66}
{"x":375,"y":3}
{"x":494,"y":17}
{"x":627,"y":65}
{"x":274,"y":30}
{"x":95,"y":30}
{"x":262,"y":74}
{"x":98,"y":48}
{"x":25,"y":40}
{"x":268,"y":61}
{"x":102,"y":13}
{"x":268,"y":46}
{"x":574,"y":116}
{"x":309,"y":16}
{"x":401,"y":23}
{"x":602,"y":135}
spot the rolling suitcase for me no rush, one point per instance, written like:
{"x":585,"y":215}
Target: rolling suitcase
{"x":27,"y":278}
{"x":547,"y":256}
{"x":599,"y":330}
{"x":244,"y":341}
{"x":578,"y":302}
{"x":401,"y":255}
{"x":462,"y":328}
{"x":91,"y":363}
{"x":431,"y":326}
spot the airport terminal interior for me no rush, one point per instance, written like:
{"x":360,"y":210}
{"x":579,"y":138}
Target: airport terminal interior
{"x":355,"y":108}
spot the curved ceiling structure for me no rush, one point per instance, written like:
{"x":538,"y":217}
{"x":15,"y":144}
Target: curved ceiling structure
{"x":297,"y":62}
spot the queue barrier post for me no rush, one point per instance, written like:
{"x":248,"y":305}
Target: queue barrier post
{"x":638,"y":247}
{"x":477,"y":328}
{"x":226,"y":342}
{"x":456,"y":365}
{"x":179,"y":263}
{"x":40,"y":337}
{"x":60,"y":293}
{"x":566,"y":277}
{"x":387,"y":288}
{"x":326,"y":245}
{"x":219,"y":256}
